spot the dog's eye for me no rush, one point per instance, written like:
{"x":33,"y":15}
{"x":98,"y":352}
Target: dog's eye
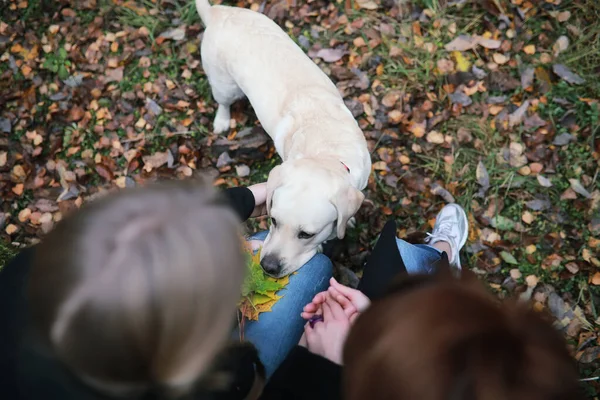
{"x":274,"y":222}
{"x":304,"y":235}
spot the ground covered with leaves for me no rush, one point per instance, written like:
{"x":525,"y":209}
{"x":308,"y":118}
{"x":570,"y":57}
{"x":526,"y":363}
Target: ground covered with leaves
{"x":493,"y":104}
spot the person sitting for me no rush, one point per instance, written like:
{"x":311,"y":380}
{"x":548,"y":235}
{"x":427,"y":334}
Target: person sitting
{"x":427,"y":335}
{"x":135,"y":296}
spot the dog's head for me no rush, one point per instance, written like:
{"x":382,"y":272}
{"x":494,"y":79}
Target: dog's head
{"x":309,"y":202}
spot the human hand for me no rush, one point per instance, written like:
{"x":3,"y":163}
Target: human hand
{"x":327,"y":337}
{"x":351,"y":300}
{"x":259,"y":191}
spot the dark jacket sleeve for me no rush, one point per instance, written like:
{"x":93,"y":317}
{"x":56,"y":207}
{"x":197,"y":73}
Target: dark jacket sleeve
{"x":241,"y":200}
{"x":304,"y":375}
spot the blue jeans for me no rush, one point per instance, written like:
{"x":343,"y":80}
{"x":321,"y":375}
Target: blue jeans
{"x":277,"y":332}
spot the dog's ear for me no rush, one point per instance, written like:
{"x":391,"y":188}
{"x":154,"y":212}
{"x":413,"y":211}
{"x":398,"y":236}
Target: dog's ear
{"x":347,"y":202}
{"x":273,"y":182}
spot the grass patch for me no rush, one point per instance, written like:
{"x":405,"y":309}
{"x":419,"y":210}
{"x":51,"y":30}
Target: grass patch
{"x":7,"y":252}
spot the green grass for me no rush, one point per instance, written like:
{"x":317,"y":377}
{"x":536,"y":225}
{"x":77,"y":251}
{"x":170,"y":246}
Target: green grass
{"x":7,"y":252}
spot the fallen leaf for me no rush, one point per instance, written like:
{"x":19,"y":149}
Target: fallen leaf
{"x":586,"y":254}
{"x":579,"y":189}
{"x":567,"y":75}
{"x":561,"y":44}
{"x":491,"y":44}
{"x":462,"y":64}
{"x":443,"y":193}
{"x":435,"y":137}
{"x":515,"y":273}
{"x":568,"y":194}
{"x":483,"y":178}
{"x":595,"y":279}
{"x":563,"y":139}
{"x":367,"y":4}
{"x":530,"y":249}
{"x":572,"y":267}
{"x":462,"y":43}
{"x":114,"y":75}
{"x":527,"y":217}
{"x":417,"y":128}
{"x":390,"y":99}
{"x":527,"y":77}
{"x":500,"y":58}
{"x":3,"y":158}
{"x":155,"y":160}
{"x":11,"y":228}
{"x":445,"y":66}
{"x":531,"y":280}
{"x":24,"y":214}
{"x":508,"y":258}
{"x":176,"y":34}
{"x":563,"y":16}
{"x":543,"y":181}
{"x":518,"y":116}
{"x":529,"y":49}
{"x":460,"y":98}
{"x":330,"y":55}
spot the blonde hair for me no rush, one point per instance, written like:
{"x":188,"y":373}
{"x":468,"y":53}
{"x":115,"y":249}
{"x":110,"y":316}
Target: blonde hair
{"x":139,"y":289}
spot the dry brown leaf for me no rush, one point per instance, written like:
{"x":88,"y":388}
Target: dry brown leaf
{"x":527,"y":217}
{"x":367,"y":4}
{"x":529,"y":49}
{"x":531,"y":280}
{"x":390,"y":99}
{"x":417,"y":128}
{"x":561,"y":44}
{"x":155,"y":160}
{"x":500,"y":58}
{"x":24,"y":214}
{"x":11,"y":228}
{"x":435,"y":137}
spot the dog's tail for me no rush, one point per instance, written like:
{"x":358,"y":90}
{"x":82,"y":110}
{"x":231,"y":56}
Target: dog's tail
{"x":203,"y":7}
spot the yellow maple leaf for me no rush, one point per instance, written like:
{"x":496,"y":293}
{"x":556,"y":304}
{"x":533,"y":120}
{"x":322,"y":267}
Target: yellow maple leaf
{"x":462,"y":64}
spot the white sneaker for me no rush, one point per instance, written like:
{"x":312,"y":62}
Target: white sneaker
{"x":452,"y":227}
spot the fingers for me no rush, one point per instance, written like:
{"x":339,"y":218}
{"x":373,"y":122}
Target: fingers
{"x":348,"y":307}
{"x":335,"y":309}
{"x":320,"y":297}
{"x":345,"y":290}
{"x":360,"y":301}
{"x":327,"y":314}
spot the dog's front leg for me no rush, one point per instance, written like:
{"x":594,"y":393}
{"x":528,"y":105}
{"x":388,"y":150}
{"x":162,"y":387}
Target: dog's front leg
{"x":222,"y":119}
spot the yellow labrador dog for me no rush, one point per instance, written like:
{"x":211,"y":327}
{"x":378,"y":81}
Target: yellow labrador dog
{"x":326,"y":163}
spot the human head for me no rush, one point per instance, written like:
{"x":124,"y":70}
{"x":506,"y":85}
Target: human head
{"x":139,"y":288}
{"x":448,"y":339}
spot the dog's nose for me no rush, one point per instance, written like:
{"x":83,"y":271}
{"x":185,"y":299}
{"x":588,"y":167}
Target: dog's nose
{"x":270,"y":264}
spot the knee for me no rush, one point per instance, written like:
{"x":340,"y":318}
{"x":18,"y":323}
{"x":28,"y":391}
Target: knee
{"x":320,"y":263}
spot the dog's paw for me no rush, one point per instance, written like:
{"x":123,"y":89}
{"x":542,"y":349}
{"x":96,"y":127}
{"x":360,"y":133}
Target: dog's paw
{"x":221,"y":122}
{"x":220,"y":125}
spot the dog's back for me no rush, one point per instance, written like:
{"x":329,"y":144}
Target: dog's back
{"x":257,"y":54}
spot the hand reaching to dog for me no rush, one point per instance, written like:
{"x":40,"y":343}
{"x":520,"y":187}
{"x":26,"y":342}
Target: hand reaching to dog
{"x":352,"y":301}
{"x":327,"y":337}
{"x":259,"y":191}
